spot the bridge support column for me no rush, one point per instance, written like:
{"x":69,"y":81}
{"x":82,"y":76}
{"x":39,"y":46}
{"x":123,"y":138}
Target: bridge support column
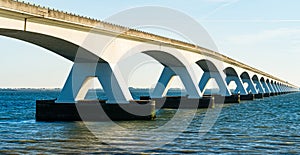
{"x":266,"y":89}
{"x":260,"y":89}
{"x":239,"y":85}
{"x":68,"y":108}
{"x":162,"y":87}
{"x":224,"y":91}
{"x":193,"y":100}
{"x":285,"y":89}
{"x":278,"y":88}
{"x":166,"y":77}
{"x":275,"y":88}
{"x":282,"y":88}
{"x":272,"y":91}
{"x":76,"y":85}
{"x":250,"y":87}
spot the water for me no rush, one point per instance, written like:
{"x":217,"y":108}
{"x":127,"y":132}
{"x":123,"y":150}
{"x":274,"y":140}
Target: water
{"x":264,"y":126}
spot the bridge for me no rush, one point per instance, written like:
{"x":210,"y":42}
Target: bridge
{"x":66,"y":34}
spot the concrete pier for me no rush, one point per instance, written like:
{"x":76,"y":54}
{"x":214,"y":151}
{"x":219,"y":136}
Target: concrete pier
{"x":259,"y":96}
{"x":266,"y":94}
{"x":226,"y":99}
{"x":236,"y":98}
{"x":48,"y":110}
{"x":247,"y":97}
{"x":183,"y":102}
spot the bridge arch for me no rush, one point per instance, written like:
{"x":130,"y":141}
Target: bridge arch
{"x":212,"y":72}
{"x":268,"y":81}
{"x":265,"y":85}
{"x":272,"y":83}
{"x":255,"y":77}
{"x":173,"y":66}
{"x":280,"y":86}
{"x":276,"y":86}
{"x":76,"y":81}
{"x":56,"y":45}
{"x":232,"y":76}
{"x":246,"y":79}
{"x":258,"y":84}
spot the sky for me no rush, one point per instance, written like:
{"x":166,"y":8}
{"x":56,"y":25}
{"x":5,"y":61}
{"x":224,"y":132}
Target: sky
{"x":264,"y":34}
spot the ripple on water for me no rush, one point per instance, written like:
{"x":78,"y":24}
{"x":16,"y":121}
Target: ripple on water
{"x":264,"y":126}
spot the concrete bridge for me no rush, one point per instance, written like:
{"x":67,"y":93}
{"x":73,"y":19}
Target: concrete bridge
{"x":65,"y":34}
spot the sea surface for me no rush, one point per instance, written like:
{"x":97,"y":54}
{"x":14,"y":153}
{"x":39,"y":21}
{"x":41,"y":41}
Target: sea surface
{"x":268,"y":126}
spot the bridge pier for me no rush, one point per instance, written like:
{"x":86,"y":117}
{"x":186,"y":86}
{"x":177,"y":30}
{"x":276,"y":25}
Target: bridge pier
{"x":183,"y":102}
{"x":247,"y":97}
{"x":246,"y":79}
{"x":259,"y":96}
{"x":76,"y":86}
{"x":266,"y":88}
{"x":48,"y":110}
{"x":266,"y":94}
{"x":224,"y":91}
{"x":235,"y":98}
{"x":239,"y":88}
{"x":166,"y":77}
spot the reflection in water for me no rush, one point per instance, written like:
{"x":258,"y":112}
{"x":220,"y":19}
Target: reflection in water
{"x":264,"y":126}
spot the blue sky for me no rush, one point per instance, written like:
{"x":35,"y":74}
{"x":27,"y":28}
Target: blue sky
{"x":262,"y":33}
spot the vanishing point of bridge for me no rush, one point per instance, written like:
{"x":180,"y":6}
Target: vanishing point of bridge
{"x":65,"y":34}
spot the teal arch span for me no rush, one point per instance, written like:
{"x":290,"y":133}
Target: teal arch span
{"x":258,"y":84}
{"x":231,"y":75}
{"x":211,"y":71}
{"x":246,"y":79}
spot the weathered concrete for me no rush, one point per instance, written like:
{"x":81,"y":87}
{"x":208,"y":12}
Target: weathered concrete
{"x":48,"y":110}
